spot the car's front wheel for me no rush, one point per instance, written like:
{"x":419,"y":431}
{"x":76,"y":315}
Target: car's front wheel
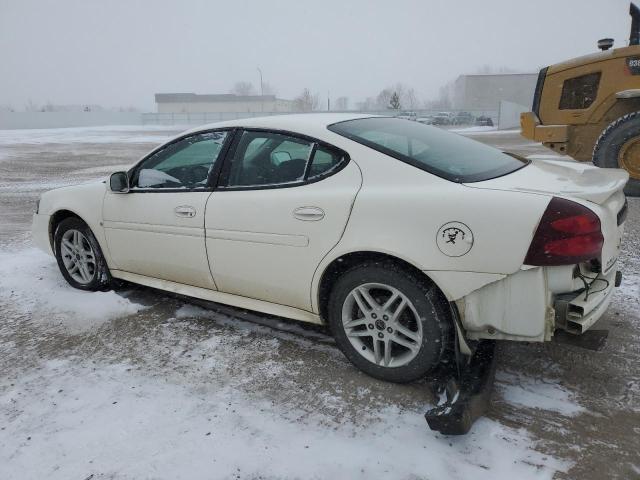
{"x":79,"y":256}
{"x":388,"y":322}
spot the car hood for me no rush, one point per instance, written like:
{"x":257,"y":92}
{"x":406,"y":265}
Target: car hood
{"x":564,"y":178}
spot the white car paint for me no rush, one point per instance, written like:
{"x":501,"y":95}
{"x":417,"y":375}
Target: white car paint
{"x":279,"y":252}
{"x":145,"y":236}
{"x":249,"y":249}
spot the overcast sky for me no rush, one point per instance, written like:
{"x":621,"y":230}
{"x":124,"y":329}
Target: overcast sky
{"x":119,"y":53}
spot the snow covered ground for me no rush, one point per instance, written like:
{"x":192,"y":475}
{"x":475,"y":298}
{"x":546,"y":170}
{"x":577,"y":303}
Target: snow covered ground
{"x":543,"y":394}
{"x":69,"y":416}
{"x":109,"y":134}
{"x":137,"y":384}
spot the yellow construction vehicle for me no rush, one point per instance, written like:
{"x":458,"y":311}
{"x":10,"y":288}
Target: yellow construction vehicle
{"x":589,"y":107}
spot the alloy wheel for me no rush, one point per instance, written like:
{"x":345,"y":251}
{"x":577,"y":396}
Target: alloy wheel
{"x":382,"y":325}
{"x":78,"y":256}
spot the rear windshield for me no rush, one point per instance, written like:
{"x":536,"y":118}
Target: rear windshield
{"x":437,"y":151}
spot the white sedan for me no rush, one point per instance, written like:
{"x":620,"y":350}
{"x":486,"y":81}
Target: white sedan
{"x":406,"y":239}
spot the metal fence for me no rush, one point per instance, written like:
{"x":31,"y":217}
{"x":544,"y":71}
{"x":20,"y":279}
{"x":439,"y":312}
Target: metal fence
{"x":18,"y":120}
{"x":198,"y":118}
{"x":212,"y":117}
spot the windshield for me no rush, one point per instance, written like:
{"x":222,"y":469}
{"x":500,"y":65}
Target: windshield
{"x":437,"y":151}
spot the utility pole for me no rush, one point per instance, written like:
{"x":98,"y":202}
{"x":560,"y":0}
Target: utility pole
{"x":328,"y":102}
{"x":261,"y":90}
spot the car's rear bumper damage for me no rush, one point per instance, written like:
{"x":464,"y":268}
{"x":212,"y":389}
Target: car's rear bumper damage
{"x":468,"y":393}
{"x":529,"y":305}
{"x":576,"y":312}
{"x":533,"y":303}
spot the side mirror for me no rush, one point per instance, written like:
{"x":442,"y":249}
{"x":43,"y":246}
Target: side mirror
{"x":119,"y":182}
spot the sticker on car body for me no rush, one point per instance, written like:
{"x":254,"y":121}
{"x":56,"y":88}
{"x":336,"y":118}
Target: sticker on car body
{"x":454,"y":239}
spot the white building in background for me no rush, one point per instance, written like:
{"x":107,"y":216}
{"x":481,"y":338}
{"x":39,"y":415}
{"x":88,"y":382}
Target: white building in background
{"x":486,"y":91}
{"x":220,"y":103}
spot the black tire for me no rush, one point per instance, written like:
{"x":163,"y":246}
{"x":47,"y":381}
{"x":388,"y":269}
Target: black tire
{"x":608,"y":146}
{"x":432,"y":309}
{"x":100,"y":278}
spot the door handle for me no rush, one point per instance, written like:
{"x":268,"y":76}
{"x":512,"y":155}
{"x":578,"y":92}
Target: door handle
{"x":186,"y":211}
{"x":308,"y":214}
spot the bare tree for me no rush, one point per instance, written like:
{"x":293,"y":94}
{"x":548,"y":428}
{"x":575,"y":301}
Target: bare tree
{"x":30,"y":106}
{"x":411,"y":99}
{"x":406,"y":97}
{"x":401,"y":90}
{"x":394,"y":101}
{"x":445,"y":96}
{"x":383,"y":98}
{"x":367,"y":105}
{"x":242,"y":88}
{"x":306,"y":102}
{"x":342,"y":103}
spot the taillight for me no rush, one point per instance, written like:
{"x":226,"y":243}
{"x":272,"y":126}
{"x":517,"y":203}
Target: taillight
{"x":568,"y":233}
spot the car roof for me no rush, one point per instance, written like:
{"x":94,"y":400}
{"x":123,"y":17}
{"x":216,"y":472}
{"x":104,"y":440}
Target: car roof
{"x":312,"y":124}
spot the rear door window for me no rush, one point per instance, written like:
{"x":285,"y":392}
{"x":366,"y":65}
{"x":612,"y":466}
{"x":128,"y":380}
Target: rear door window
{"x":269,"y":159}
{"x":324,"y":162}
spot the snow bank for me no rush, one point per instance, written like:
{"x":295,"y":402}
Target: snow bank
{"x":537,"y":393}
{"x":31,"y":283}
{"x":67,"y":421}
{"x":109,"y":134}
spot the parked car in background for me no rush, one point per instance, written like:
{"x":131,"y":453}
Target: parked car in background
{"x":427,"y":120}
{"x":484,"y":121}
{"x":410,"y":242}
{"x":408,"y":115}
{"x":441,"y":119}
{"x":462,"y":118}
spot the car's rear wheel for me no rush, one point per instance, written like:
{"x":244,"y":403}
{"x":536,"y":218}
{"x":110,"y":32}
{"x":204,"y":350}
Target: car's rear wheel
{"x":79,"y":256}
{"x":388,"y":322}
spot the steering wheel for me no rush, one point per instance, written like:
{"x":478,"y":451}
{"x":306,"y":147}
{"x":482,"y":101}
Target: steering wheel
{"x":191,"y":175}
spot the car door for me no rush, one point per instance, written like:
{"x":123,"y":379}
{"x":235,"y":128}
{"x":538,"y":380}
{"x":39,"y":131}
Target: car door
{"x":157,"y":228}
{"x":281,"y":205}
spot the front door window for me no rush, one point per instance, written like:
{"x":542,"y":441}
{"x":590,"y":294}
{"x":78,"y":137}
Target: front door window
{"x":185,"y":164}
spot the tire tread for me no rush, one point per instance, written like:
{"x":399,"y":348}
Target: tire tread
{"x":442,"y":318}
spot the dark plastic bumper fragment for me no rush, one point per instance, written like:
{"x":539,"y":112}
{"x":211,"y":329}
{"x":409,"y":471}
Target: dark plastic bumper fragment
{"x":468,"y":396}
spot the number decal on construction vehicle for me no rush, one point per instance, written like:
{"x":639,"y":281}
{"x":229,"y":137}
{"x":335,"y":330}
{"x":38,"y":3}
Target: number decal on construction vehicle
{"x":633,"y":64}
